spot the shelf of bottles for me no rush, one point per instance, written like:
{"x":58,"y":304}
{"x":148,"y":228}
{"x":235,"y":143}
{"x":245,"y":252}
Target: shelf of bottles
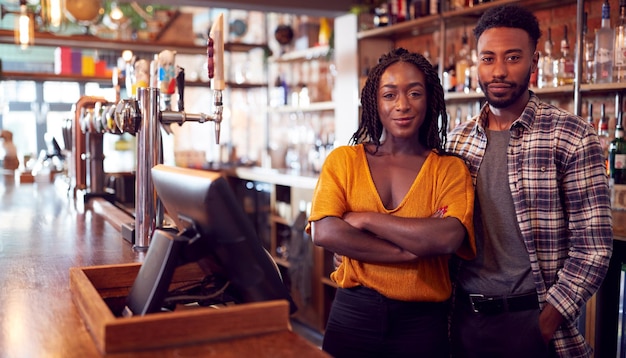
{"x":426,"y":16}
{"x":604,"y":57}
{"x":302,"y":108}
{"x":303,"y":80}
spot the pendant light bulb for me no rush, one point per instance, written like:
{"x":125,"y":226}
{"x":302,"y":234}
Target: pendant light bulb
{"x":24,"y":27}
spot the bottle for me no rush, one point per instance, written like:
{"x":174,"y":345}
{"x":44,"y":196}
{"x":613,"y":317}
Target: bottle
{"x":605,"y":40}
{"x":419,"y":8}
{"x":462,"y":63}
{"x":473,"y":72}
{"x":279,"y":92}
{"x":590,"y":119}
{"x":617,"y":167}
{"x":620,"y":44}
{"x":381,"y":15}
{"x":565,"y":69}
{"x":603,"y":130}
{"x":435,"y":7}
{"x":545,"y":71}
{"x":426,"y":53}
{"x":395,"y":13}
{"x":588,"y":52}
{"x":456,"y":4}
{"x":449,"y":73}
{"x":458,"y":120}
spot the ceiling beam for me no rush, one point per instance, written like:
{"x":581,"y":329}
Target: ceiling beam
{"x":328,"y":8}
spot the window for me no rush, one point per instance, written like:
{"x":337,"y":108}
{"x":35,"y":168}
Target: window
{"x":29,"y":109}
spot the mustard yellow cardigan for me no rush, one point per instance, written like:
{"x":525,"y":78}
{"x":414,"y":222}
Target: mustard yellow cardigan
{"x":345,"y":184}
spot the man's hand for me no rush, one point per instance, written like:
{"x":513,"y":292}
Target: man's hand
{"x":549,"y":321}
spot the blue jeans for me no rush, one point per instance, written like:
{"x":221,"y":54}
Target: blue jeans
{"x":363,"y":323}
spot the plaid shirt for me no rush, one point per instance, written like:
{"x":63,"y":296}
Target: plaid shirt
{"x":558,"y":181}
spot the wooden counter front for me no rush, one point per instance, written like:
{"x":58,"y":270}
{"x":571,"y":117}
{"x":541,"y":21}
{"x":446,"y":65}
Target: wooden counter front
{"x":43,"y":235}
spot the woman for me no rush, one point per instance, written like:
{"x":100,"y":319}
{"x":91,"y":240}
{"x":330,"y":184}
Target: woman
{"x":395,"y":206}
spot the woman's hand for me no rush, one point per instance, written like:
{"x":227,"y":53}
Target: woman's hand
{"x":355,"y":219}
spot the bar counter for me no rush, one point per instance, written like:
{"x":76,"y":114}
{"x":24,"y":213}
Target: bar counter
{"x":44,"y":233}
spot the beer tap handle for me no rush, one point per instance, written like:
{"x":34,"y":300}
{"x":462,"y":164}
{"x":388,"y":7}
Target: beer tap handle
{"x":215,"y":63}
{"x":180,"y":84}
{"x":215,"y":52}
{"x":210,"y":51}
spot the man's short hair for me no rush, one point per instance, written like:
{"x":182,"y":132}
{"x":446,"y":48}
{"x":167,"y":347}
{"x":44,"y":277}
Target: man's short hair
{"x":509,"y":15}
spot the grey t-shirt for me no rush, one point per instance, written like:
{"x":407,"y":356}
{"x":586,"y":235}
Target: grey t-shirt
{"x":502,"y":264}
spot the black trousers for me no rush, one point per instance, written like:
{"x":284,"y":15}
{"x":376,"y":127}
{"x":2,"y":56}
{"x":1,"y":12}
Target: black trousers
{"x":502,"y":335}
{"x":364,"y":323}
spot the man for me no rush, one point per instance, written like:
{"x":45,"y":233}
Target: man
{"x":542,"y":208}
{"x":10,"y":162}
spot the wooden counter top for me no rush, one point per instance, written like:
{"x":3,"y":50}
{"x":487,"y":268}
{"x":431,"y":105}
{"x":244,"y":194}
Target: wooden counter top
{"x":42,"y":235}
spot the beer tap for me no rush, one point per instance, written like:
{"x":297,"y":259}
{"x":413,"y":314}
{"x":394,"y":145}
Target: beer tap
{"x":143,"y":117}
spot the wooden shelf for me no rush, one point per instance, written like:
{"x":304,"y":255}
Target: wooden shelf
{"x":32,"y":76}
{"x":461,"y":96}
{"x":432,"y":23}
{"x":313,"y":107}
{"x":98,"y":43}
{"x":566,"y":90}
{"x":422,"y":25}
{"x":603,"y":87}
{"x":36,"y":76}
{"x":303,"y":55}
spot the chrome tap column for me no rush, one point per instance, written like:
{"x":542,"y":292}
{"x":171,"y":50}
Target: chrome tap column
{"x":148,"y":209}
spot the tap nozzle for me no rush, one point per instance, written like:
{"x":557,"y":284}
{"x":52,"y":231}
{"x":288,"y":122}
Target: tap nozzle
{"x":217,"y":113}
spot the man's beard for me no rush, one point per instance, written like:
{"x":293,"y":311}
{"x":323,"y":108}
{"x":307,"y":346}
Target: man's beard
{"x":518,"y":90}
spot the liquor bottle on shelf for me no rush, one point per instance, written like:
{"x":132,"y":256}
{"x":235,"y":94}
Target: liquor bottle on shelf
{"x":458,"y":120}
{"x":617,"y":167}
{"x":565,"y":74}
{"x":381,"y":15}
{"x":426,"y":54}
{"x":473,"y":72}
{"x":450,"y":122}
{"x":603,"y":130}
{"x":397,"y":11}
{"x":605,"y":41}
{"x":545,"y":75}
{"x":619,"y":70}
{"x":419,"y":8}
{"x":449,"y":73}
{"x":456,"y":4}
{"x":588,"y":52}
{"x":435,"y":7}
{"x":279,"y":93}
{"x":462,"y":63}
{"x":590,"y":119}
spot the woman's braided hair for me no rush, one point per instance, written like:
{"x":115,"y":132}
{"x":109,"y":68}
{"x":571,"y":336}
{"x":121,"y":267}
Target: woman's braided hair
{"x":431,"y":134}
